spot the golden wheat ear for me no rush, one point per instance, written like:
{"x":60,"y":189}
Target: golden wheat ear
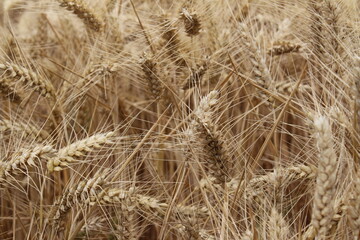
{"x":324,"y":197}
{"x":28,"y":77}
{"x":88,"y":15}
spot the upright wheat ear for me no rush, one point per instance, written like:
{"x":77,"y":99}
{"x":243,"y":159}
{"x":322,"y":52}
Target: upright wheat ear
{"x":324,"y":198}
{"x":354,"y":207}
{"x":89,"y":17}
{"x":148,"y":66}
{"x":216,"y":153}
{"x":191,"y":22}
{"x":278,"y":227}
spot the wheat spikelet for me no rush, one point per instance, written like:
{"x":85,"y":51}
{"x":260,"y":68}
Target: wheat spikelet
{"x":323,"y":208}
{"x":90,"y":18}
{"x":22,"y":74}
{"x":78,"y":149}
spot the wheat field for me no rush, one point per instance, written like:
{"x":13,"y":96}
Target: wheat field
{"x":189,"y":119}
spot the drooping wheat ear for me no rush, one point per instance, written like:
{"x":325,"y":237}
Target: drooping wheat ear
{"x":191,"y":22}
{"x":287,"y":87}
{"x":247,"y":235}
{"x":191,"y":212}
{"x":8,"y":90}
{"x":278,"y":226}
{"x":324,"y":197}
{"x":26,"y":128}
{"x":22,"y":74}
{"x":88,"y":15}
{"x":22,"y":160}
{"x":78,"y":194}
{"x":353,"y":212}
{"x":283,"y":47}
{"x":146,"y":204}
{"x":148,"y":66}
{"x":217,"y":157}
{"x":195,"y":77}
{"x":287,"y":175}
{"x":260,"y":71}
{"x":79,"y":149}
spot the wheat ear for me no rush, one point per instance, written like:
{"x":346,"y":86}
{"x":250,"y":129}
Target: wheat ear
{"x":79,"y":149}
{"x":191,"y":22}
{"x":260,"y":71}
{"x":353,"y":212}
{"x":214,"y":146}
{"x":283,"y":47}
{"x":148,"y":66}
{"x":24,"y":159}
{"x":79,"y":193}
{"x":324,"y":198}
{"x":26,"y":128}
{"x":8,"y":90}
{"x":278,"y":227}
{"x":22,"y":74}
{"x":90,"y":18}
